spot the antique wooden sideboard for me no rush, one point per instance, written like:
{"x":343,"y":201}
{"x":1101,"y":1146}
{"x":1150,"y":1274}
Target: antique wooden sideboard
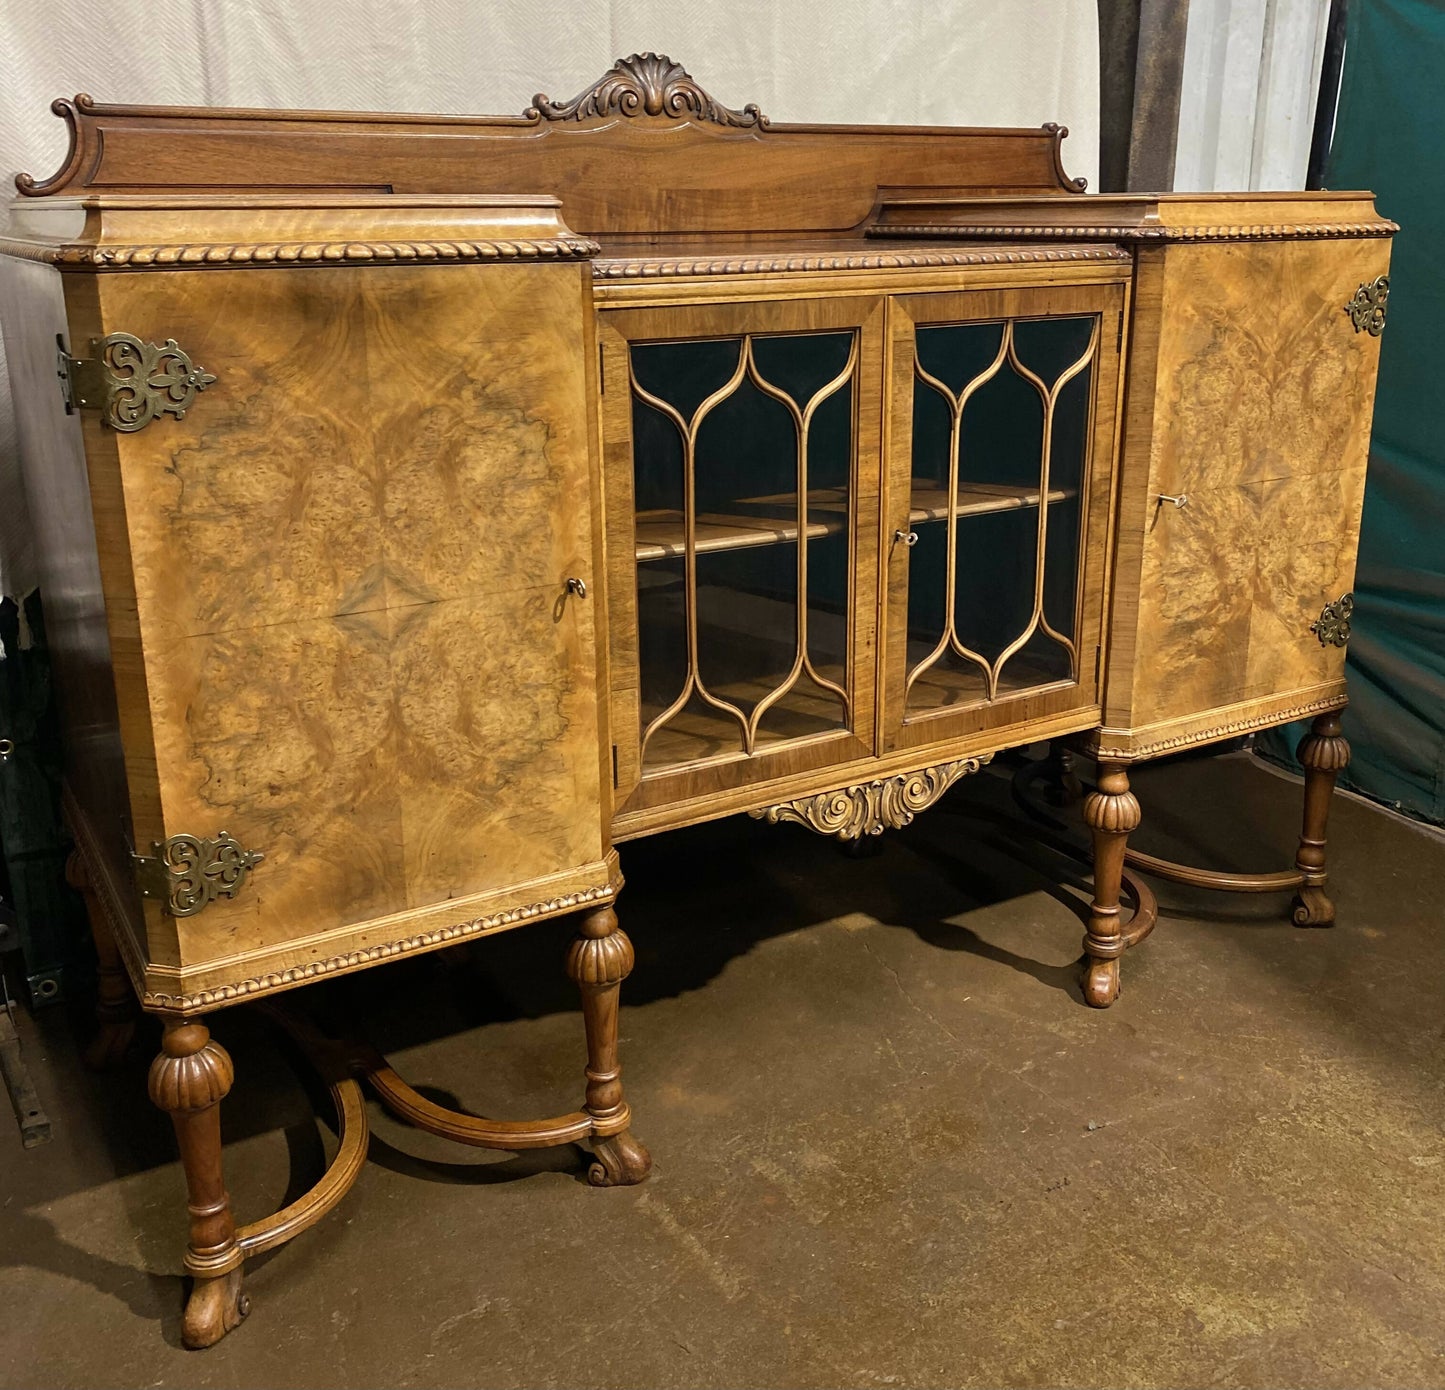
{"x":429,"y":505}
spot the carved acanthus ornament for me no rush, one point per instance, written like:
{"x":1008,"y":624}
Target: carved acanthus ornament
{"x":870,"y":808}
{"x":645,"y":84}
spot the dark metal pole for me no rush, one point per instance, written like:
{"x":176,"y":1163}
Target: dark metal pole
{"x":1331,"y":67}
{"x":1141,"y":71}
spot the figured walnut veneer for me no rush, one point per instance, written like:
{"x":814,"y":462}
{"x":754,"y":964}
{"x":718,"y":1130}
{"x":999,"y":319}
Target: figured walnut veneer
{"x":371,"y":607}
{"x":1259,"y":414}
{"x":338,"y":612}
{"x":311,"y":650}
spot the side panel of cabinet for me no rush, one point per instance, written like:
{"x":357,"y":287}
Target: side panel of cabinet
{"x":1017,"y":545}
{"x":350,"y":560}
{"x":85,"y":578}
{"x":1251,"y":397}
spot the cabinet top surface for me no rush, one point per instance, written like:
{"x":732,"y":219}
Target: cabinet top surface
{"x":642,"y":159}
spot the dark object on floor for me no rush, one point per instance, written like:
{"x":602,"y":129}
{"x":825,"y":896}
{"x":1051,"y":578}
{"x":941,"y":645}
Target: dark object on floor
{"x":33,"y":1121}
{"x":49,"y":923}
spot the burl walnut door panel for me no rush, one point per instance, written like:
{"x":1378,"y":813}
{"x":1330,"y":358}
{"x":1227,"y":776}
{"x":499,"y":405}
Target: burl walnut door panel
{"x":1262,"y":391}
{"x":1001,"y":441}
{"x":361,"y":656}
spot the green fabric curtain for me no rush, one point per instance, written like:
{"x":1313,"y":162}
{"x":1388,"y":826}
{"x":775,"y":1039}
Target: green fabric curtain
{"x":1389,"y":137}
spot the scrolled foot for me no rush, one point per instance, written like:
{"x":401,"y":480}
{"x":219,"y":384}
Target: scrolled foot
{"x":1313,"y":908}
{"x":1101,"y":983}
{"x":215,"y":1307}
{"x":620,"y":1161}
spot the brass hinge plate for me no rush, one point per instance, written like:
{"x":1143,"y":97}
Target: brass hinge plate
{"x":1368,"y":306}
{"x":186,"y":872}
{"x":129,"y":381}
{"x":1332,"y":626}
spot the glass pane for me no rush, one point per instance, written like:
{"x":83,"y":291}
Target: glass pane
{"x":1049,"y":347}
{"x":958,"y":353}
{"x":685,"y":373}
{"x":742,"y":587}
{"x":981,"y":513}
{"x":1067,"y":475}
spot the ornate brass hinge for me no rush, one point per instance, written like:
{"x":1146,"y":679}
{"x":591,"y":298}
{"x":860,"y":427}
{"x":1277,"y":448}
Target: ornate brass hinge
{"x":186,"y":873}
{"x":130,"y":382}
{"x":1332,"y":626}
{"x":1367,"y":306}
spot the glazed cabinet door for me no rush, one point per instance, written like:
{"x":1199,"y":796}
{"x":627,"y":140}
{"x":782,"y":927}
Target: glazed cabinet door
{"x":1002,"y":407}
{"x":740,"y":446}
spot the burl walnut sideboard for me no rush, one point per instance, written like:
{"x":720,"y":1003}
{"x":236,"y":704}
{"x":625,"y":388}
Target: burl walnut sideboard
{"x":430,"y":505}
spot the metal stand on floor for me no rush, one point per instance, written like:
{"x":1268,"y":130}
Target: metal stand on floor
{"x":34,"y":1122}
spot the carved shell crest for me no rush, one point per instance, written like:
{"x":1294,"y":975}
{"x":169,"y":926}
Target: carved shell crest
{"x":645,"y":84}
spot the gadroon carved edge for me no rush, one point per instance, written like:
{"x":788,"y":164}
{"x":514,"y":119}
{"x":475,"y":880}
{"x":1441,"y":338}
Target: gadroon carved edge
{"x":1096,"y":744}
{"x":263,"y":255}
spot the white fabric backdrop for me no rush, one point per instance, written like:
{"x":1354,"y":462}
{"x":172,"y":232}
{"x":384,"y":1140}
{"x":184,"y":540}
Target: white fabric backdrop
{"x":949,"y":62}
{"x":1247,"y":105}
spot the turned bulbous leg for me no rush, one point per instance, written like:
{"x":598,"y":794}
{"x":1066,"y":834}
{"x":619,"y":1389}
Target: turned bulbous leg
{"x":598,"y":961}
{"x":189,"y":1079}
{"x":116,"y":1008}
{"x":1324,"y":753}
{"x":1111,"y":812}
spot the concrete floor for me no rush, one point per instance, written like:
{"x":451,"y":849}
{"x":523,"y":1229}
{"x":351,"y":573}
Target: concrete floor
{"x":892,"y":1145}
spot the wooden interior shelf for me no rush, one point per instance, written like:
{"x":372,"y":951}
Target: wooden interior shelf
{"x":930,"y":501}
{"x":660,"y":532}
{"x":699,"y":733}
